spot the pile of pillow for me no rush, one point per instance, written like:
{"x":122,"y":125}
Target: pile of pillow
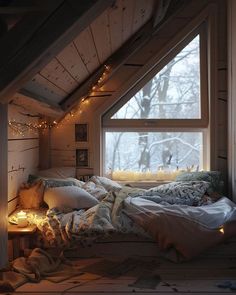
{"x":64,"y":193}
{"x":189,"y":188}
{"x":68,"y":193}
{"x":214,"y":178}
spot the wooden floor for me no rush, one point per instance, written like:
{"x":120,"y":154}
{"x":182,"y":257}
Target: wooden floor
{"x":148,"y":275}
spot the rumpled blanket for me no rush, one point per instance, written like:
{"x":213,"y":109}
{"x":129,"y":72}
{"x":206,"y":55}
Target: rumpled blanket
{"x":175,"y":227}
{"x":61,"y":229}
{"x":39,"y":265}
{"x":184,"y":231}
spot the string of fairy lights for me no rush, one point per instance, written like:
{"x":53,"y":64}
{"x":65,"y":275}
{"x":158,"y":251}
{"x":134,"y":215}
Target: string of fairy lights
{"x":20,"y":128}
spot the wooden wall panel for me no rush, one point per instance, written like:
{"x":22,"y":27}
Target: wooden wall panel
{"x":222,"y":93}
{"x":23,"y":152}
{"x":232,"y":95}
{"x":3,"y":186}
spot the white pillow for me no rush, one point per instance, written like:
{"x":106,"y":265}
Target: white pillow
{"x":108,"y":184}
{"x":68,"y":197}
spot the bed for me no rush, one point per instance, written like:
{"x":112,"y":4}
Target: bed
{"x":100,"y":216}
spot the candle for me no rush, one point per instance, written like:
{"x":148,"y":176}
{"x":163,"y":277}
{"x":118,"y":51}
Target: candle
{"x":22,"y":219}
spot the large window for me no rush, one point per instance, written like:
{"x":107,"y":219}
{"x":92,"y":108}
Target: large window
{"x":160,"y":127}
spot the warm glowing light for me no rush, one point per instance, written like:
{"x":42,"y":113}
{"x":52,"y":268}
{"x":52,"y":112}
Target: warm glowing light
{"x":222,"y":230}
{"x":22,"y":220}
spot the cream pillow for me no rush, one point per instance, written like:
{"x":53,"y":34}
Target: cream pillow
{"x":108,"y":184}
{"x":68,"y":197}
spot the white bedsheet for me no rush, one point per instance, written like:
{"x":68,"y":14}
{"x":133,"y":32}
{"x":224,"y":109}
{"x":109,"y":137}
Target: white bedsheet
{"x":212,"y":216}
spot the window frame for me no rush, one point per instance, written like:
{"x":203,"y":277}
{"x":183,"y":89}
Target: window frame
{"x":202,"y":122}
{"x":167,"y":125}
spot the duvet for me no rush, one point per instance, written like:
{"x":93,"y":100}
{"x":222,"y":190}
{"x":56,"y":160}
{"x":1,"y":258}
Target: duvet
{"x":175,"y":227}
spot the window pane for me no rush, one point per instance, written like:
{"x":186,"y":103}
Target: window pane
{"x":151,"y":153}
{"x":174,"y":93}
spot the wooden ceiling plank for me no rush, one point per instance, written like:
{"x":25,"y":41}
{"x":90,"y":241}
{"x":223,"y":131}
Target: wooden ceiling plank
{"x":141,"y":13}
{"x":87,"y":50}
{"x":115,"y":62}
{"x":58,"y":31}
{"x":150,"y":8}
{"x":72,"y":62}
{"x":44,"y":88}
{"x":128,"y":10}
{"x":102,"y":41}
{"x":117,"y":59}
{"x":115,"y":21}
{"x":58,"y":75}
{"x":161,"y":9}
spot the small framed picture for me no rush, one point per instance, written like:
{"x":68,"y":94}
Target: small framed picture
{"x":82,"y":158}
{"x":81,"y":132}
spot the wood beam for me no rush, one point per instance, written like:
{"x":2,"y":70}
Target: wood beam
{"x":63,"y":25}
{"x":40,"y":98}
{"x":3,"y":184}
{"x":29,"y":102}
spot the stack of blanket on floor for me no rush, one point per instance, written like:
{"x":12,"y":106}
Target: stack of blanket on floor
{"x":174,"y":214}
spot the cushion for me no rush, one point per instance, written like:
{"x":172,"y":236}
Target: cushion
{"x":213,"y":177}
{"x":31,"y":195}
{"x":68,"y":197}
{"x":183,"y":192}
{"x":108,"y":184}
{"x":96,"y":190}
{"x":76,"y":181}
{"x":52,"y":182}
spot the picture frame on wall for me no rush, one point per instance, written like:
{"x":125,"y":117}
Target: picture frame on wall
{"x":82,"y":157}
{"x":81,"y":132}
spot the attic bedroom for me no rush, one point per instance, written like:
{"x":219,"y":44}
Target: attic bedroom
{"x":117,"y":146}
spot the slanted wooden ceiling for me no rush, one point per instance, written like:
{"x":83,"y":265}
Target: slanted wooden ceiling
{"x":90,"y":49}
{"x":85,"y":35}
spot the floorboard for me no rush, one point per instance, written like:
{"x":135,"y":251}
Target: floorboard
{"x":111,"y":276}
{"x":146,"y":275}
